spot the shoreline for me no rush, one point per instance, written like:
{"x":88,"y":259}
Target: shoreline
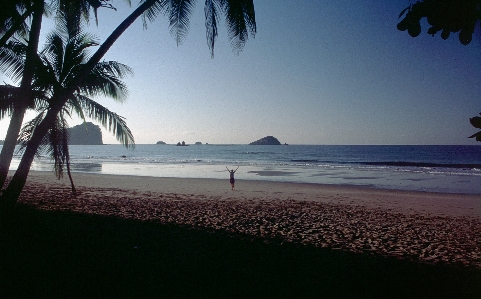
{"x":431,"y":228}
{"x":404,"y":201}
{"x":185,"y":164}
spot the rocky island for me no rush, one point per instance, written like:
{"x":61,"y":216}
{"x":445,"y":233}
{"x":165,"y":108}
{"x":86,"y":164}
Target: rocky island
{"x":268,"y":140}
{"x":85,"y":134}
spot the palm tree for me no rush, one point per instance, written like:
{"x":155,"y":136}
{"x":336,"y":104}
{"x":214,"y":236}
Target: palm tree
{"x":62,"y":59}
{"x":15,"y":13}
{"x":12,"y":19}
{"x":12,"y":22}
{"x":20,"y":106}
{"x":240,"y":20}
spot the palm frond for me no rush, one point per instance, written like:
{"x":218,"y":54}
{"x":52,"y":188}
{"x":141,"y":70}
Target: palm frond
{"x":27,"y":132}
{"x":65,"y":55}
{"x":58,"y":138}
{"x":54,"y":53}
{"x":77,"y":56}
{"x":77,"y":11}
{"x":104,"y":80}
{"x":12,"y":59}
{"x":77,"y":47}
{"x":12,"y":19}
{"x":109,"y":120}
{"x":45,"y":78}
{"x":158,"y":7}
{"x":8,"y":95}
{"x":179,"y":18}
{"x":75,"y":105}
{"x":240,"y":21}
{"x":40,"y":102}
{"x":211,"y":11}
{"x":66,"y":111}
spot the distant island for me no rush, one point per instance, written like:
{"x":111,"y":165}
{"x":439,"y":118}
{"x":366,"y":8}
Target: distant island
{"x":268,"y":140}
{"x":182,"y":144}
{"x":160,"y":142}
{"x":85,"y":134}
{"x":198,"y":143}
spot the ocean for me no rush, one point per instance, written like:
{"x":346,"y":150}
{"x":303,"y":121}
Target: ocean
{"x":430,"y":168}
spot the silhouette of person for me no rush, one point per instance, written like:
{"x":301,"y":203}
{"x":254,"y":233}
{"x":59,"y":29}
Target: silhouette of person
{"x":231,"y":172}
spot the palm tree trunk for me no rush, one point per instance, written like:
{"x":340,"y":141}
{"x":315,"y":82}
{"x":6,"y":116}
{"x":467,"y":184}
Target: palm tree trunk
{"x":114,"y":36}
{"x":25,"y":89}
{"x":72,"y":185}
{"x":15,"y":187}
{"x":8,"y":148}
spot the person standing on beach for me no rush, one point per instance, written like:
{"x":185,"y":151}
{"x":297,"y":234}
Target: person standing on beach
{"x":231,"y":172}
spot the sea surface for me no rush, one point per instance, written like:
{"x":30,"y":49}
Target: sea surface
{"x":445,"y":168}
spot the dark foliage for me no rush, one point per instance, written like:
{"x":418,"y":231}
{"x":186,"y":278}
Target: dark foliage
{"x":445,"y":16}
{"x":476,"y":122}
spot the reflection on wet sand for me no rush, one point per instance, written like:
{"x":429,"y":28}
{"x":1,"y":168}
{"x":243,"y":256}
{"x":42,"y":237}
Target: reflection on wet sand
{"x":87,"y":167}
{"x":272,"y":173}
{"x":74,"y":167}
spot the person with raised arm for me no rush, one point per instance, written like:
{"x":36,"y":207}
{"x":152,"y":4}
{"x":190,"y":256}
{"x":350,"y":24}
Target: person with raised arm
{"x":232,"y":179}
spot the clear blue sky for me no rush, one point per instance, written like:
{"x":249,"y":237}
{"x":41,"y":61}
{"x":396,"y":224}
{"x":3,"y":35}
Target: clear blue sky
{"x":317,"y":72}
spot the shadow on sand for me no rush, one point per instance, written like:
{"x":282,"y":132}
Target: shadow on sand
{"x":67,"y":255}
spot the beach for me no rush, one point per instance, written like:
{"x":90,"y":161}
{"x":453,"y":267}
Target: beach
{"x":152,"y":237}
{"x":424,"y":227}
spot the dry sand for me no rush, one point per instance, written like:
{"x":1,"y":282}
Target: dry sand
{"x":425,"y":227}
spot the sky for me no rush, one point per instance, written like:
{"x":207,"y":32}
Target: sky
{"x":317,"y":72}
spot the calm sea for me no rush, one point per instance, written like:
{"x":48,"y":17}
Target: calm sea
{"x":447,"y":169}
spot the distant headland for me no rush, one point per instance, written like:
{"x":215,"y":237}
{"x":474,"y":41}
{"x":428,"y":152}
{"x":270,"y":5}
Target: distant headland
{"x":85,"y":134}
{"x":268,"y":140}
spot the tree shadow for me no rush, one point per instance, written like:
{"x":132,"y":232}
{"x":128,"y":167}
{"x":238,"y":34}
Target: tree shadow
{"x":70,"y":255}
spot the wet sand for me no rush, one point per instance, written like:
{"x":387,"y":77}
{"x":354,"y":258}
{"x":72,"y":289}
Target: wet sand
{"x":424,"y":227}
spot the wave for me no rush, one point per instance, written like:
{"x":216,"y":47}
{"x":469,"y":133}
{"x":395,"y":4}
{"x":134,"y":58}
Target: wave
{"x":424,"y":164}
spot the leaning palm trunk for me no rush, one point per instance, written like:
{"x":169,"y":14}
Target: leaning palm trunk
{"x":21,"y":104}
{"x":72,"y":185}
{"x":8,"y":148}
{"x":15,"y":187}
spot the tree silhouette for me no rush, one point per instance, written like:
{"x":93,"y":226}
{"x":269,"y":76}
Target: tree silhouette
{"x":445,"y":16}
{"x":12,"y":23}
{"x":476,"y":122}
{"x":64,"y":56}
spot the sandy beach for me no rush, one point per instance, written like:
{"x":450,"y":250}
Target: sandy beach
{"x":423,"y":227}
